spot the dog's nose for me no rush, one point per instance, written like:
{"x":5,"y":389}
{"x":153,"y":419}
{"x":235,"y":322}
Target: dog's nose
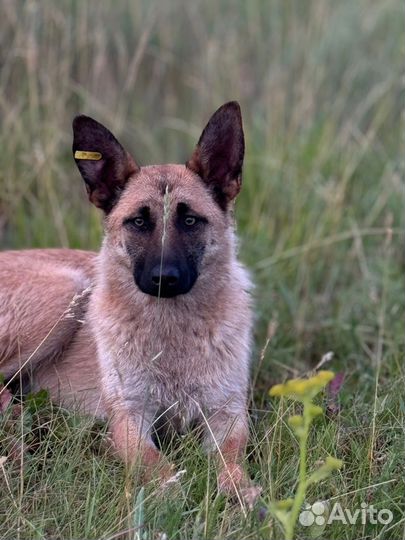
{"x":165,"y":280}
{"x":167,"y":276}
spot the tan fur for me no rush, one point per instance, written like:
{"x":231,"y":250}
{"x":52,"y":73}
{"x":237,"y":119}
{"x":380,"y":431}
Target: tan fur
{"x":43,"y":300}
{"x":129,"y":355}
{"x":188,"y":353}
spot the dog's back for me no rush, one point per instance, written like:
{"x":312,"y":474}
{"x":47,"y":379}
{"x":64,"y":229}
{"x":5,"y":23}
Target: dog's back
{"x":43,"y":300}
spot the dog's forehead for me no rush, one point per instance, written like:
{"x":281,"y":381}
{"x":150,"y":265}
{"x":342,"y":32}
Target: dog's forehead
{"x":157,"y":185}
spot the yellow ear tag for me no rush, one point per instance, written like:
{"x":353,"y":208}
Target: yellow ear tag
{"x":93,"y":156}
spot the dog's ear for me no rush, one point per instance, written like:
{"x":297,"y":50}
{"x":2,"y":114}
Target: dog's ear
{"x":218,"y":156}
{"x":103,"y":163}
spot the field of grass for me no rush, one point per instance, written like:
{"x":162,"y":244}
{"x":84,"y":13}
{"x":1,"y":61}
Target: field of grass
{"x":320,"y":217}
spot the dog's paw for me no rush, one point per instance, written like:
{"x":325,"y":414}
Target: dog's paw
{"x":174,"y":479}
{"x":250,"y":495}
{"x":169,"y":485}
{"x":235,"y":484}
{"x":231,"y":479}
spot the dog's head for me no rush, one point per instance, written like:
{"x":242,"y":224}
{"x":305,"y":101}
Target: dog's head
{"x":166,"y":221}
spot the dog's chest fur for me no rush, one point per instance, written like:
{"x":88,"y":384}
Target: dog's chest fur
{"x":184,"y":355}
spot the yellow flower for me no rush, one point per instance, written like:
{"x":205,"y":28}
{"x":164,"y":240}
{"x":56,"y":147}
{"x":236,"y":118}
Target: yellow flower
{"x":333,"y":463}
{"x":300,"y":389}
{"x":296,"y":421}
{"x":285,"y":504}
{"x":315,"y":410}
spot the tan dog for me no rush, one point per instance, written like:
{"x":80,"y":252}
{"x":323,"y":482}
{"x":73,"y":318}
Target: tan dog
{"x":158,"y":324}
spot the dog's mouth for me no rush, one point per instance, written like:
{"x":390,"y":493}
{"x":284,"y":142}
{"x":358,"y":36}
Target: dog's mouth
{"x":164,"y":291}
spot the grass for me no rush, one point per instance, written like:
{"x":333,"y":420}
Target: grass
{"x":320,"y":219}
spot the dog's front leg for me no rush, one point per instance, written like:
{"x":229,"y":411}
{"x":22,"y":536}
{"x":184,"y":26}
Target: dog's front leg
{"x":227,"y":434}
{"x":131,"y":437}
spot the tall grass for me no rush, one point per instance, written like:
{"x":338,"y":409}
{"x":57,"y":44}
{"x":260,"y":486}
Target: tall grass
{"x":320,"y":218}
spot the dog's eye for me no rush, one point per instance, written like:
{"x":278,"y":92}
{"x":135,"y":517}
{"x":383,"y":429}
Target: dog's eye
{"x":138,"y":222}
{"x":190,"y":221}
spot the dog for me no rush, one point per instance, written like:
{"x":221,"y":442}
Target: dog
{"x":158,"y":324}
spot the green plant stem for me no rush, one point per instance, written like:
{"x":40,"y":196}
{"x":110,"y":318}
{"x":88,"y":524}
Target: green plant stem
{"x":302,"y":482}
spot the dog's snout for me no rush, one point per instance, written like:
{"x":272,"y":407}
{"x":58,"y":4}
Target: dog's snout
{"x":165,"y":276}
{"x":165,"y":279}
